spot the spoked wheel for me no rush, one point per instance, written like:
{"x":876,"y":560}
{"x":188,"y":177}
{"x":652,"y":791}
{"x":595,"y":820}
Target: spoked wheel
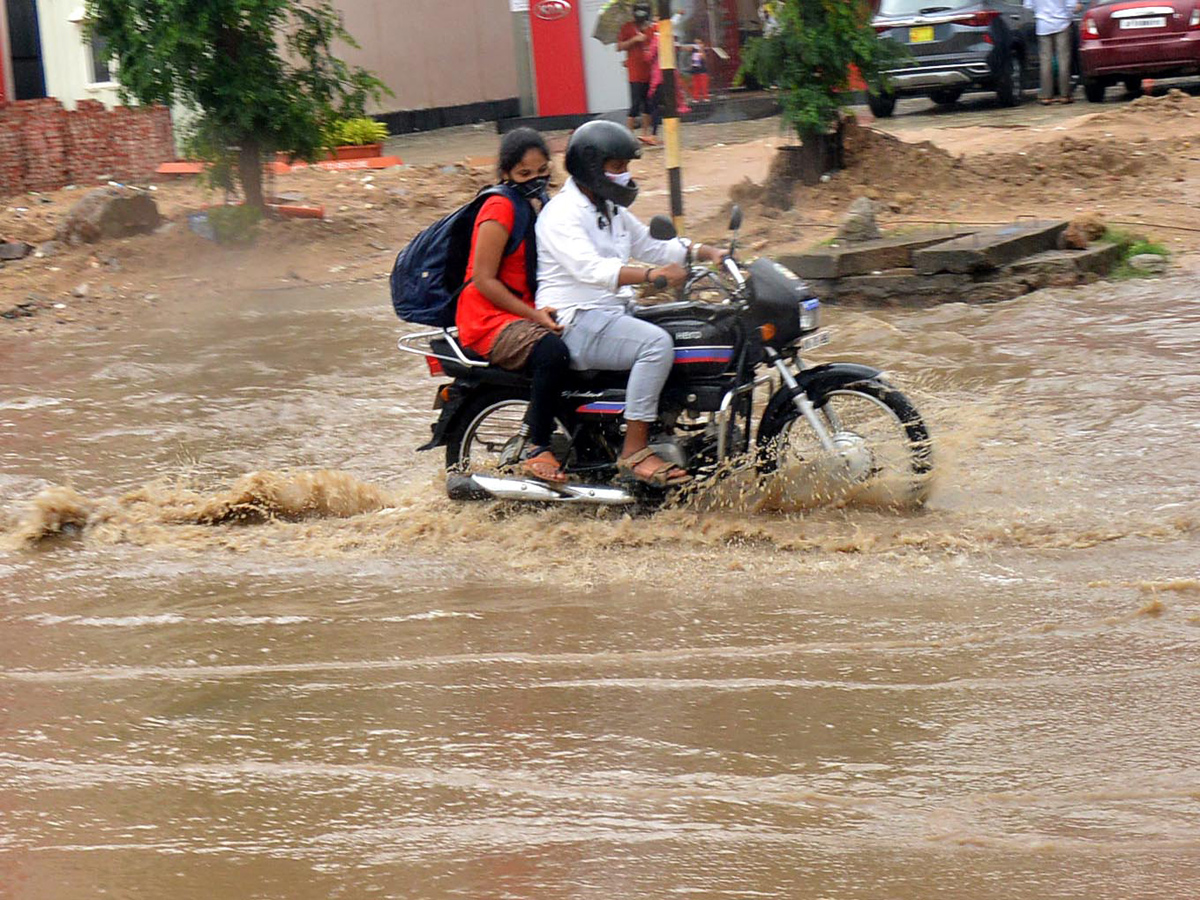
{"x":882,"y":454}
{"x":489,"y":435}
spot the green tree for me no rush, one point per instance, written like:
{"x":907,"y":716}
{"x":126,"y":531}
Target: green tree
{"x":808,"y":53}
{"x":261,"y":75}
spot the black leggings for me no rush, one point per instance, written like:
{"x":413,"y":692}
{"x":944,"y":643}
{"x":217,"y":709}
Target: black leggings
{"x":547,"y":366}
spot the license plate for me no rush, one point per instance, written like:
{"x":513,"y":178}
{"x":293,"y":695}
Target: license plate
{"x":813,"y":341}
{"x":920,"y":35}
{"x":1152,"y":22}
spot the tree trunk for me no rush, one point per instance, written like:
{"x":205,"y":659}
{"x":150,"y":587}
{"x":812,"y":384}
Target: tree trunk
{"x":818,"y":154}
{"x":250,"y":172}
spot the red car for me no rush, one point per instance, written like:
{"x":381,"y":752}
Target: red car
{"x":1127,"y":40}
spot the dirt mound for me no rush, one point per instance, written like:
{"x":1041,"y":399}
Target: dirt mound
{"x":1071,"y":161}
{"x":1165,"y":110}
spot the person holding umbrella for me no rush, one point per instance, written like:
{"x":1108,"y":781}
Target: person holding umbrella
{"x":636,"y":39}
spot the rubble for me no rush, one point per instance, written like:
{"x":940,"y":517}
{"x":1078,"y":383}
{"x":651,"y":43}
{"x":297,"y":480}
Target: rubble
{"x":859,"y":223}
{"x":109,"y":212}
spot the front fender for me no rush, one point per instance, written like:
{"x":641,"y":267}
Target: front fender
{"x":816,"y":383}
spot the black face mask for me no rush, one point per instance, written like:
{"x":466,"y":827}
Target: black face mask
{"x":533,"y":189}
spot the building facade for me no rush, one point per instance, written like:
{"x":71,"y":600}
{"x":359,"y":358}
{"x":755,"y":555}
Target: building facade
{"x":447,"y":62}
{"x":46,"y":53}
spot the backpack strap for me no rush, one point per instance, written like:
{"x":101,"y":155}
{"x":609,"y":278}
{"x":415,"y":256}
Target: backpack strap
{"x":524,"y":219}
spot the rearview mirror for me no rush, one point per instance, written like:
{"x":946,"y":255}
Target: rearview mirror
{"x":735,"y":218}
{"x":662,"y":229}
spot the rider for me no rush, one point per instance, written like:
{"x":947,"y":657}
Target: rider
{"x":496,"y":315}
{"x":586,"y":238}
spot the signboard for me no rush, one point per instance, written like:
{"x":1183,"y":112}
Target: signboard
{"x":558,"y":57}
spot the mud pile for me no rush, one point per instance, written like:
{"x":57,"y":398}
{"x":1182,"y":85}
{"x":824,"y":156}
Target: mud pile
{"x":1150,"y":111}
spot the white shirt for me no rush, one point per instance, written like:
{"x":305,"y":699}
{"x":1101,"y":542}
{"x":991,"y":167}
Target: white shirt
{"x":1052,"y":16}
{"x":580,"y":254}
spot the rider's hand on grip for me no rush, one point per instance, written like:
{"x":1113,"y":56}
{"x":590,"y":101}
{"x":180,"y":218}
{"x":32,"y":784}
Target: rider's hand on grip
{"x":673,"y":274}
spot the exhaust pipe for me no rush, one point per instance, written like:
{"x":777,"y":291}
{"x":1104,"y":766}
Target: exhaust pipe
{"x":481,"y":487}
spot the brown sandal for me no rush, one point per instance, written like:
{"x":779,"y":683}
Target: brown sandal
{"x":661,"y":477}
{"x":543,"y":467}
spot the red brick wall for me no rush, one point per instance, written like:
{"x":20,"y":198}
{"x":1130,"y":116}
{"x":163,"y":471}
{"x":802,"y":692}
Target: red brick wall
{"x":44,"y":146}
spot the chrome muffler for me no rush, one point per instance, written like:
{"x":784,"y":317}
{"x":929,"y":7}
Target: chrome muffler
{"x":481,"y":487}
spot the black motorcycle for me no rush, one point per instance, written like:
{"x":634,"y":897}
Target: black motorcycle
{"x":737,"y":334}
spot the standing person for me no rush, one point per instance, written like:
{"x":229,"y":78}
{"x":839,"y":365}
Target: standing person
{"x":699,"y":71}
{"x":636,"y":38}
{"x":496,"y":314}
{"x":1054,"y":18}
{"x":586,"y":239}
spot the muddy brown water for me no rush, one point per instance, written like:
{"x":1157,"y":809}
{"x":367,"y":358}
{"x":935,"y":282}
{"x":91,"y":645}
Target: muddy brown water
{"x":266,"y":658}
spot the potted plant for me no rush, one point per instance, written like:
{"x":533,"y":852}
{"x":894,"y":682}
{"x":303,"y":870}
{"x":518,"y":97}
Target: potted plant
{"x":809,"y":55}
{"x":357,"y":138}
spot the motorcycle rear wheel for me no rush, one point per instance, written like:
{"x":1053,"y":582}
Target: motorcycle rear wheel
{"x":884,"y":453}
{"x":487,"y":436}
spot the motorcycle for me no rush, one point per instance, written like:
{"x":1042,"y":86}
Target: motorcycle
{"x":736,"y":330}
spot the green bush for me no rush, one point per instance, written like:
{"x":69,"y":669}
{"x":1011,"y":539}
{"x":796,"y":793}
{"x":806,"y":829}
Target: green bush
{"x":235,"y":225}
{"x":354,"y":132}
{"x":1132,"y":245}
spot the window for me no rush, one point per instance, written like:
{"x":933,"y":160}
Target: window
{"x":99,"y":58}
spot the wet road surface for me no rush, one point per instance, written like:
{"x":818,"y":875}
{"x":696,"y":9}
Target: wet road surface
{"x":324,"y":680}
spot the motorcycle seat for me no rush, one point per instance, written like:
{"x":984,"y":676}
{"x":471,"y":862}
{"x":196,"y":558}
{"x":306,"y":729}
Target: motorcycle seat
{"x":440,"y":346}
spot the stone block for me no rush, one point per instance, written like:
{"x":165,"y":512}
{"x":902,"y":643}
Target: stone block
{"x":1057,"y":268}
{"x":14,"y":250}
{"x":865,"y":258}
{"x":900,"y":287}
{"x":988,"y":249}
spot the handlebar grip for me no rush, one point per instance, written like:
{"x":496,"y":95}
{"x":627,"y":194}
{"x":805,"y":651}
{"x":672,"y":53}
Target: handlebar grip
{"x":660,"y":282}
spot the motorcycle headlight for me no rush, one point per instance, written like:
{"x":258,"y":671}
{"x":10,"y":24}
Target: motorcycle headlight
{"x":810,"y":314}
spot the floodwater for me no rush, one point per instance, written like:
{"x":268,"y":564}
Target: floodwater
{"x":249,"y":650}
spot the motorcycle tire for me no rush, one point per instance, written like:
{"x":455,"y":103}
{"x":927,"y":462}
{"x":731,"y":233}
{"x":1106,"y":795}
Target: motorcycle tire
{"x":474,"y":415}
{"x":912,"y":435}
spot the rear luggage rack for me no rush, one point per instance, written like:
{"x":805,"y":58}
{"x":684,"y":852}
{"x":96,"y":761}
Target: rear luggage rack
{"x":406,"y":342}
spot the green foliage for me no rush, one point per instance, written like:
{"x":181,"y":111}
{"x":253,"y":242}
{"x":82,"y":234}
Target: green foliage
{"x":235,"y":225}
{"x":355,"y":132}
{"x":261,"y":74}
{"x":808,"y":57}
{"x":1132,"y":245}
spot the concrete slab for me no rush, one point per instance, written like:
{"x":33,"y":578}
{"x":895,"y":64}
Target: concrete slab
{"x":898,"y":287}
{"x":989,"y":249}
{"x":1099,"y":258}
{"x":847,"y":260}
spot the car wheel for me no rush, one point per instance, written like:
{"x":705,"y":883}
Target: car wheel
{"x":1009,"y":86}
{"x":882,"y":104}
{"x":1093,"y":89}
{"x":946,"y":96}
{"x":1133,"y":87}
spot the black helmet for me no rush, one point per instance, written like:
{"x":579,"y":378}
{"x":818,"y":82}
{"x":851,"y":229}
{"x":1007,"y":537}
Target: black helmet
{"x":594,"y":144}
{"x":641,"y":11}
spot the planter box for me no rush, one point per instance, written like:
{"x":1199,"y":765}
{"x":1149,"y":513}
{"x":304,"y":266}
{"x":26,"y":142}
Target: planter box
{"x":366,"y":151}
{"x":349,"y":151}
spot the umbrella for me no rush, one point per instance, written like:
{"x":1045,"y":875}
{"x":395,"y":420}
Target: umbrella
{"x":614,"y":14}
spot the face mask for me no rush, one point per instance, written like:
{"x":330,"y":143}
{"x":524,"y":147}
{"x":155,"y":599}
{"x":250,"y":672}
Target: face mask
{"x":622,"y":178}
{"x":533,"y":189}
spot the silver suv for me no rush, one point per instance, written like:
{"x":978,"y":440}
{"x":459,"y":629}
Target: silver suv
{"x":958,"y":46}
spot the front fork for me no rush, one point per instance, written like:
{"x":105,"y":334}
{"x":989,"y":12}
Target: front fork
{"x":803,"y":404}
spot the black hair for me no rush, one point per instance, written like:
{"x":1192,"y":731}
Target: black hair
{"x":516,"y":144}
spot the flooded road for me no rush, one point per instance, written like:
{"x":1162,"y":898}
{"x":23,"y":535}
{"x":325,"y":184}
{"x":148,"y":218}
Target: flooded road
{"x":268,"y":658}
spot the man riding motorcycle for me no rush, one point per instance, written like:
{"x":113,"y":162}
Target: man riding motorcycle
{"x":586,"y":239}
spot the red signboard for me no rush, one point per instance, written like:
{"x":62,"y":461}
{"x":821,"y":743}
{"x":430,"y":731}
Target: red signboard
{"x":558,"y":57}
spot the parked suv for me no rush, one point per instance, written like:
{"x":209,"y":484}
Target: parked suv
{"x":958,"y":46}
{"x":1128,"y":41}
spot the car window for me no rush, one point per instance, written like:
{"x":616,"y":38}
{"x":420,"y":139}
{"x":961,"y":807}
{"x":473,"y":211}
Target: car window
{"x":916,"y":7}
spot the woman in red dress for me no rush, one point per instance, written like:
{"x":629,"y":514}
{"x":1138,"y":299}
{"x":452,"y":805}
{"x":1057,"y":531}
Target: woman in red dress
{"x":496,"y":317}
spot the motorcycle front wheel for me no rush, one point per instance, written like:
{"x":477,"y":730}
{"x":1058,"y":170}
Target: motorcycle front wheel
{"x":882,"y":449}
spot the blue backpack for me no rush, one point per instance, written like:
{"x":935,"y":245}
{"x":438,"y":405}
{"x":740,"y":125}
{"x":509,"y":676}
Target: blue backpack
{"x":430,"y":272}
